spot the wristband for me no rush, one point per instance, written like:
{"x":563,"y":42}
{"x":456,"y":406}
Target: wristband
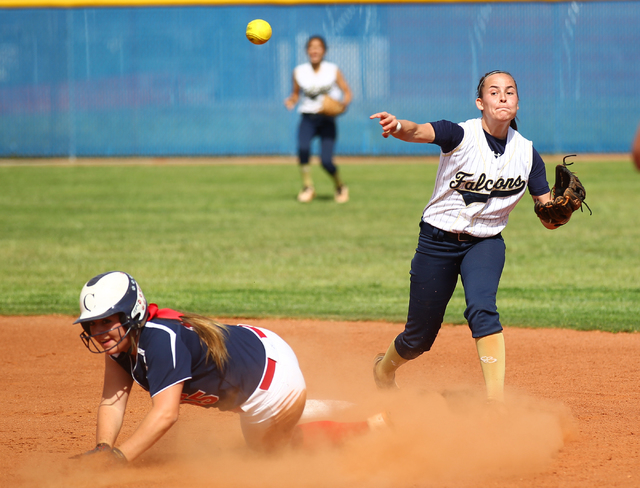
{"x":398,"y":127}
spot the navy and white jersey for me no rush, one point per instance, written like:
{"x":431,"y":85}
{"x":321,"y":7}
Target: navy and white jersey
{"x":170,"y":352}
{"x":481,"y":178}
{"x":314,"y":85}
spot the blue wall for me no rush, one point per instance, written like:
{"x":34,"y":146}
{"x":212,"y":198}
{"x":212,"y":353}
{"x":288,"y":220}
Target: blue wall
{"x":185,"y":81}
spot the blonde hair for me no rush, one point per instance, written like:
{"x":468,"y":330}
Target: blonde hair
{"x":212,"y":334}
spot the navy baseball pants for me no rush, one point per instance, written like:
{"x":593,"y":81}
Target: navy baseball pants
{"x":435,"y":267}
{"x":313,"y":125}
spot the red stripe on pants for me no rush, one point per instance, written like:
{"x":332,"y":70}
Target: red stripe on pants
{"x":257,"y":331}
{"x":268,"y":376}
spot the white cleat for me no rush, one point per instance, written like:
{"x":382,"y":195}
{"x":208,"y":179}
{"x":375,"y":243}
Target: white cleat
{"x":306,"y":194}
{"x":342,"y":194}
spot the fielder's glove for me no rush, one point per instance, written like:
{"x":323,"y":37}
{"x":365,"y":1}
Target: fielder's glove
{"x":568,"y":195}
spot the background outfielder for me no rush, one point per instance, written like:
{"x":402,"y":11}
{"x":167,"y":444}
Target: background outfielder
{"x":485,"y":167}
{"x":313,"y":82}
{"x":187,"y":358}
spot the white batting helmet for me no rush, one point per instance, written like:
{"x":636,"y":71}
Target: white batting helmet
{"x":112,"y":293}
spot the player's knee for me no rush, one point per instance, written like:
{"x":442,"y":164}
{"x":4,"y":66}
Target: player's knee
{"x":485,"y":325}
{"x":304,"y":155}
{"x":483,"y":318}
{"x":411,"y":349}
{"x":329,"y":167}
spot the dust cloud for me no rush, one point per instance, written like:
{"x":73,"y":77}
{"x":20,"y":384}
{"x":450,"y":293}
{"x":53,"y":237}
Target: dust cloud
{"x":450,"y":438}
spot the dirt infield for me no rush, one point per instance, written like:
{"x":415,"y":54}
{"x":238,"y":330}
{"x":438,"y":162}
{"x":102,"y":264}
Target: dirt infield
{"x":572,"y":421}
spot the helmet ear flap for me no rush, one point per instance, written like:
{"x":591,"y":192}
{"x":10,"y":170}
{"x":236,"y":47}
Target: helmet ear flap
{"x":139,"y":311}
{"x":124,"y":320}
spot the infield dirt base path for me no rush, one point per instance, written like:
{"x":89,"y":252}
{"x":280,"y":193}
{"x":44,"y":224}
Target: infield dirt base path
{"x":572,"y":418}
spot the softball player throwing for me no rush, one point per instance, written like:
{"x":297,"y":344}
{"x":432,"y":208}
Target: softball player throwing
{"x":187,"y":358}
{"x":485,"y":167}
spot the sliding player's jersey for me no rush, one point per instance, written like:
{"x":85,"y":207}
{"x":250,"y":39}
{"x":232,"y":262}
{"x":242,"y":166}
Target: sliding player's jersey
{"x":170,"y":352}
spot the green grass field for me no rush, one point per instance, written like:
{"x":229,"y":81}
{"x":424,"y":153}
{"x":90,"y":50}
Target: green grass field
{"x":231,"y":240}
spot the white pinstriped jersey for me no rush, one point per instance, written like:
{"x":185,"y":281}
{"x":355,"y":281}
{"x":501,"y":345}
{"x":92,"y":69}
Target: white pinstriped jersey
{"x":475,"y":189}
{"x":314,"y":85}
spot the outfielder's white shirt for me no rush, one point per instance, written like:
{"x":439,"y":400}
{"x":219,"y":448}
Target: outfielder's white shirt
{"x":475,"y":191}
{"x":315,"y":85}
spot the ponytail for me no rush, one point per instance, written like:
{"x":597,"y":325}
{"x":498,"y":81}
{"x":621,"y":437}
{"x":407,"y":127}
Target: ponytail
{"x":212,"y":334}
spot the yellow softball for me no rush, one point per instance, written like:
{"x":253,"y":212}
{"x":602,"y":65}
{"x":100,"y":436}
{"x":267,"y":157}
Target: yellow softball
{"x":258,"y":31}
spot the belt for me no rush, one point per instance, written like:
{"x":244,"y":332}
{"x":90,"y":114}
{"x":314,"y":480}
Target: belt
{"x":443,"y":235}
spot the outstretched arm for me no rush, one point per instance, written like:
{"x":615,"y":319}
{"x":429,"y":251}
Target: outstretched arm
{"x":405,"y":130}
{"x":115,"y":394}
{"x":163,"y":414}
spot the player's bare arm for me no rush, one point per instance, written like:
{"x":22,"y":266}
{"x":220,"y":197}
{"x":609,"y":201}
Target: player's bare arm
{"x":405,"y":130}
{"x":115,"y":394}
{"x":544,"y":199}
{"x":163,"y":414}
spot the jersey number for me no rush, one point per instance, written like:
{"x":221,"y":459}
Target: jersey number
{"x":199,"y":398}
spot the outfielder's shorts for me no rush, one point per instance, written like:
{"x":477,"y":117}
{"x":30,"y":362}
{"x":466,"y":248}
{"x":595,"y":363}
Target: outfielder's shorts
{"x":272,"y":411}
{"x":438,"y":261}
